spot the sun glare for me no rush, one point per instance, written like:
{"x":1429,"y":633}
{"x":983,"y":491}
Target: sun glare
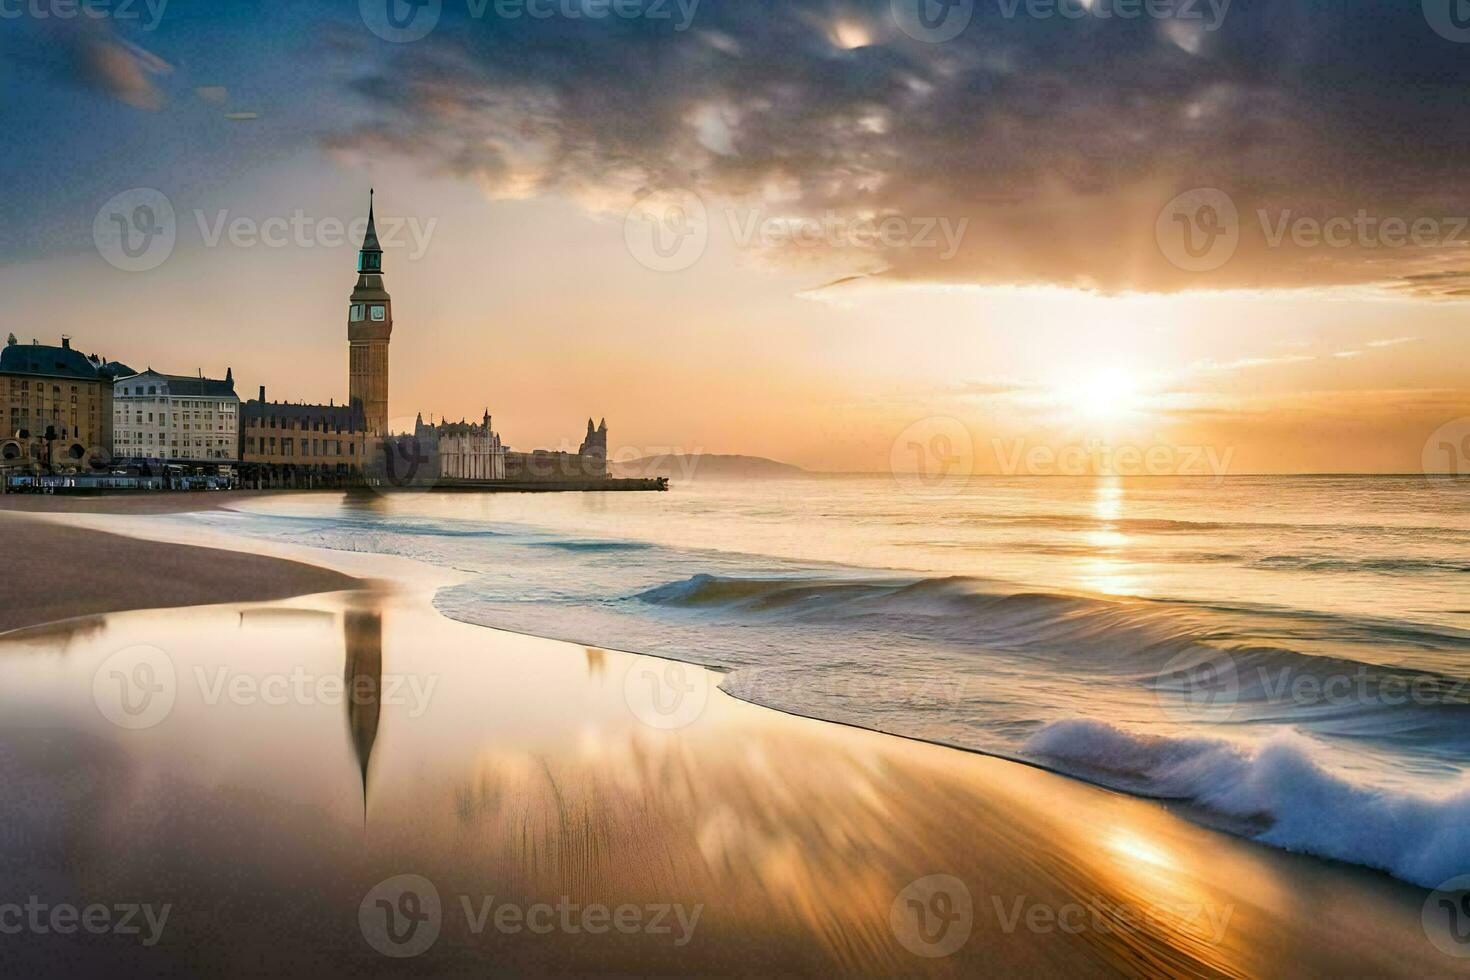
{"x":1106,"y":394}
{"x":850,"y":34}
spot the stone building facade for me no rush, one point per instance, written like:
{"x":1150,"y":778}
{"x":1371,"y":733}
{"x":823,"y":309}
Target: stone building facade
{"x":55,"y":407}
{"x":465,"y":450}
{"x":299,"y":445}
{"x":369,"y":329}
{"x":170,"y":418}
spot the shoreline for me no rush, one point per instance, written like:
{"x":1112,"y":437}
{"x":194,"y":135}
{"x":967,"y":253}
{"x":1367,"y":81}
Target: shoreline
{"x":89,"y":580}
{"x":1049,"y":837}
{"x":162,"y":502}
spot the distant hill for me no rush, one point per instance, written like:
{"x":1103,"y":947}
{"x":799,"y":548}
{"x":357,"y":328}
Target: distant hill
{"x":707,"y":466}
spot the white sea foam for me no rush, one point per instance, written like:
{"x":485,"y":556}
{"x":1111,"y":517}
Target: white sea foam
{"x":1279,"y":784}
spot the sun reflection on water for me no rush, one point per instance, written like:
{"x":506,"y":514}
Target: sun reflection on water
{"x":1104,"y":570}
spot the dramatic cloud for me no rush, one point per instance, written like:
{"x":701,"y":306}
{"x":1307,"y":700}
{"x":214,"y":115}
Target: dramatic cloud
{"x":1335,"y":132}
{"x":88,"y":54}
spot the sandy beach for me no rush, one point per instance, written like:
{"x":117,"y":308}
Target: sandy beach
{"x":317,"y":776}
{"x":111,"y":573}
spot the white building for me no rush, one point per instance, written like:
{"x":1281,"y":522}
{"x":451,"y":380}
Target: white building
{"x":172,"y":418}
{"x":463,"y":450}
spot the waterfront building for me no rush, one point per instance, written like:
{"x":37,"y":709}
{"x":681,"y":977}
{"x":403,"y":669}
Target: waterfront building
{"x":300,"y":445}
{"x":55,"y":406}
{"x":172,"y":418}
{"x":461,"y":450}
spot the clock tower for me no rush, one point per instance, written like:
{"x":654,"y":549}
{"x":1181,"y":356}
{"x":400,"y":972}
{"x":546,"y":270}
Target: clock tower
{"x":369,"y":327}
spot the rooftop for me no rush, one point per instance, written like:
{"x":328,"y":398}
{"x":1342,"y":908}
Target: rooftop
{"x":344,"y":417}
{"x":186,"y":385}
{"x":56,"y":362}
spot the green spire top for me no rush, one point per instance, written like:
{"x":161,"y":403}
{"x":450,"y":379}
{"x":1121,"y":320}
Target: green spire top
{"x":370,"y":256}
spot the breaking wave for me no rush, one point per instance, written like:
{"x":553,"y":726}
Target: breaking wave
{"x":1277,"y":793}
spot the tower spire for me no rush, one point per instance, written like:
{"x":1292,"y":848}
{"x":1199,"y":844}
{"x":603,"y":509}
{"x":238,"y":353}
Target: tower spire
{"x":370,"y":237}
{"x":369,"y":329}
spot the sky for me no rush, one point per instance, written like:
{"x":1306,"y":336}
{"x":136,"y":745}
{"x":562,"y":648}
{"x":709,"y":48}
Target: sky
{"x":1000,"y":236}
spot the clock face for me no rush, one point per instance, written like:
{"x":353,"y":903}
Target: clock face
{"x":379,"y":312}
{"x":356,"y":312}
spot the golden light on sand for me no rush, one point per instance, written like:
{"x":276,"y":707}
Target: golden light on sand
{"x":1139,"y":849}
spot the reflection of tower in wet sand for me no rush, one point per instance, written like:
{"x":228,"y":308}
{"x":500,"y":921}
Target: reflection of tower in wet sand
{"x":596,"y":661}
{"x":362,"y":633}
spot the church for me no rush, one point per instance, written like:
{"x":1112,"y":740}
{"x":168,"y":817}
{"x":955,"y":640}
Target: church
{"x":294,"y":444}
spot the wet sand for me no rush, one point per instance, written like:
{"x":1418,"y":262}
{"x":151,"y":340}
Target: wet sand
{"x":55,"y":571}
{"x":566,"y":809}
{"x":128,"y":503}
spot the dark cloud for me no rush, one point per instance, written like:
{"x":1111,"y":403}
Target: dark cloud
{"x":1060,"y":141}
{"x":87,"y":54}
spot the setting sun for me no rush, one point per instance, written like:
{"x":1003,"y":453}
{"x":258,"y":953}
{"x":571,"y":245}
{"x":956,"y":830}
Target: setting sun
{"x":1102,"y":395}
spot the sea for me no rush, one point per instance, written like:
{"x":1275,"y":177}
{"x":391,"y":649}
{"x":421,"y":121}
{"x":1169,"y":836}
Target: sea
{"x":1284,"y":658}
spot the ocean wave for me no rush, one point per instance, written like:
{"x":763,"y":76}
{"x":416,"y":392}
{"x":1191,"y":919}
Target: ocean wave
{"x":357,"y":521}
{"x":1276,"y":793}
{"x":1191,"y":660}
{"x":1387,"y":566}
{"x":1138,"y":633}
{"x":590,"y":546}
